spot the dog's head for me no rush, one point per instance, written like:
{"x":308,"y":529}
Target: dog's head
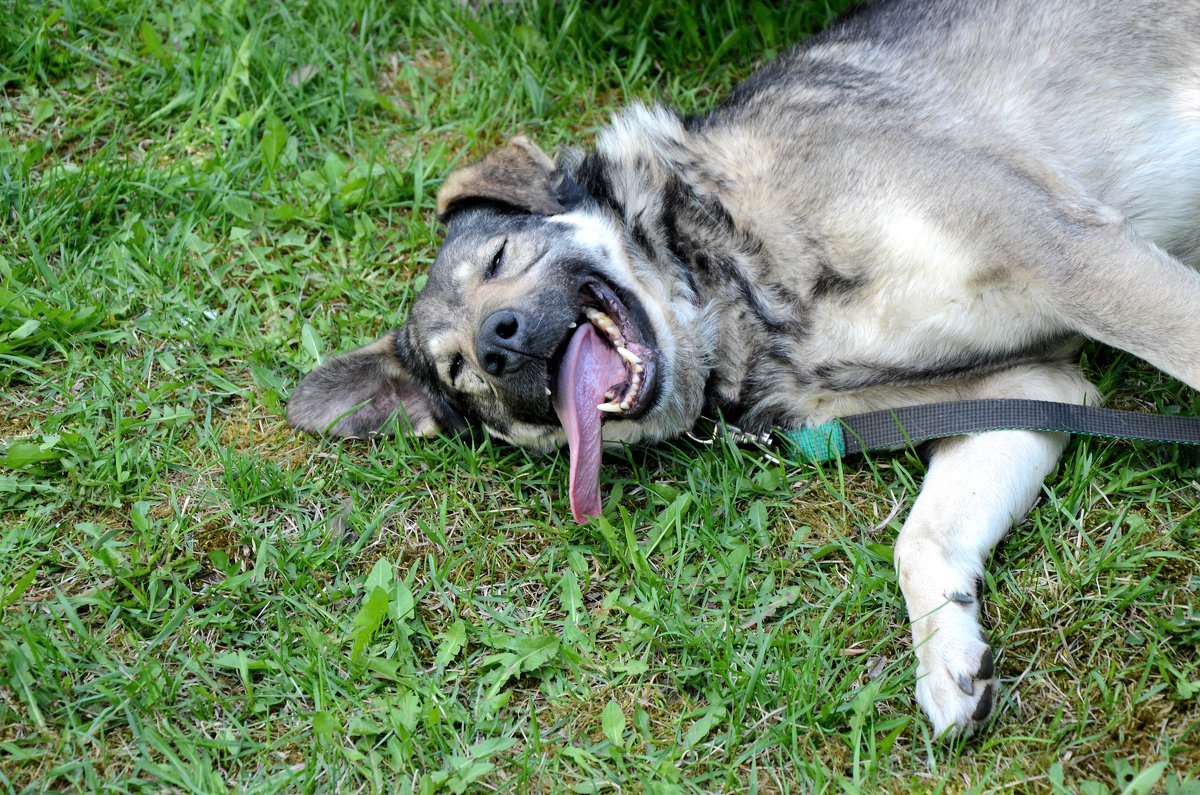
{"x":536,"y":322}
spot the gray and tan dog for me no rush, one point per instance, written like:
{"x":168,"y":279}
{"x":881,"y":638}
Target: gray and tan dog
{"x":931,"y":201}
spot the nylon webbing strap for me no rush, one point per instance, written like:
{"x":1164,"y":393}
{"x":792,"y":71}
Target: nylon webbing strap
{"x":914,"y":424}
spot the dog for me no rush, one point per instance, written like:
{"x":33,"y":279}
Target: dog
{"x":930,"y":201}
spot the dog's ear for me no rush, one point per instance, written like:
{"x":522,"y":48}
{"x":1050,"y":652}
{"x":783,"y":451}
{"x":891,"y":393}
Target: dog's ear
{"x":519,"y":174}
{"x":355,"y":394}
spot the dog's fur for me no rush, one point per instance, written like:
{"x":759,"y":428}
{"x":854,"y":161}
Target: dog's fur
{"x":931,"y":201}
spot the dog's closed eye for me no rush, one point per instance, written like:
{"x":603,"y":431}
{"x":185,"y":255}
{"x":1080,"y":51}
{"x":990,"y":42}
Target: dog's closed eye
{"x":497,"y":260}
{"x":456,"y":365}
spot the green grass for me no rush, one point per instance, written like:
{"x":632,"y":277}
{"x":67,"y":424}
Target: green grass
{"x":197,"y":201}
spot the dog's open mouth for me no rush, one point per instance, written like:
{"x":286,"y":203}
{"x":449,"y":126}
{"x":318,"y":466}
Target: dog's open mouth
{"x":606,"y":371}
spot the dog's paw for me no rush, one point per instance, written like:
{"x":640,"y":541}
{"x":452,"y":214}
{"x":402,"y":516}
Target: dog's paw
{"x":956,"y":682}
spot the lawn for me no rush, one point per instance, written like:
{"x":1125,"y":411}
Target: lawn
{"x":200,"y":201}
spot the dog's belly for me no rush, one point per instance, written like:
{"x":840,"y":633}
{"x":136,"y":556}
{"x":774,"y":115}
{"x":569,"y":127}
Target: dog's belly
{"x":909,"y":333}
{"x":932,"y":300}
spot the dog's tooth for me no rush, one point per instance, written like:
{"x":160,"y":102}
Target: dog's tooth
{"x":610,"y":395}
{"x":610,"y":408}
{"x":629,"y":355}
{"x":548,"y":392}
{"x":632,"y":393}
{"x":601,"y":319}
{"x":573,"y":325}
{"x":606,"y":324}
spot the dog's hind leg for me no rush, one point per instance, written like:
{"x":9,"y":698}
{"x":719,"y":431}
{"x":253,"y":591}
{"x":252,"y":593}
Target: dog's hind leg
{"x":1127,"y":292}
{"x":975,"y":489}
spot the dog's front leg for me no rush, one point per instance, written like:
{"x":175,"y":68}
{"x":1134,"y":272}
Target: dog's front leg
{"x":975,"y":489}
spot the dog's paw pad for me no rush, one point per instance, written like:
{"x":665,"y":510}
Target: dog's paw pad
{"x":984,"y":707}
{"x":986,"y":664}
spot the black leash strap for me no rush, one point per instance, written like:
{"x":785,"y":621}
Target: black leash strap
{"x":877,"y":430}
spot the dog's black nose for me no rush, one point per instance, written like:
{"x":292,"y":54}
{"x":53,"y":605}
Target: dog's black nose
{"x":502,"y":344}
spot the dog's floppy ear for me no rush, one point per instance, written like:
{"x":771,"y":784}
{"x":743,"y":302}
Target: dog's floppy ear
{"x":519,"y":174}
{"x":356,"y":393}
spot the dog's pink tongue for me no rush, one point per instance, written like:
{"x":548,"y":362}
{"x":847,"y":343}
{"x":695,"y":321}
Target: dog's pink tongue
{"x":589,"y":367}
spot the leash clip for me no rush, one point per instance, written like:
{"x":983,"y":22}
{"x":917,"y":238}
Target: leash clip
{"x":709,"y":435}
